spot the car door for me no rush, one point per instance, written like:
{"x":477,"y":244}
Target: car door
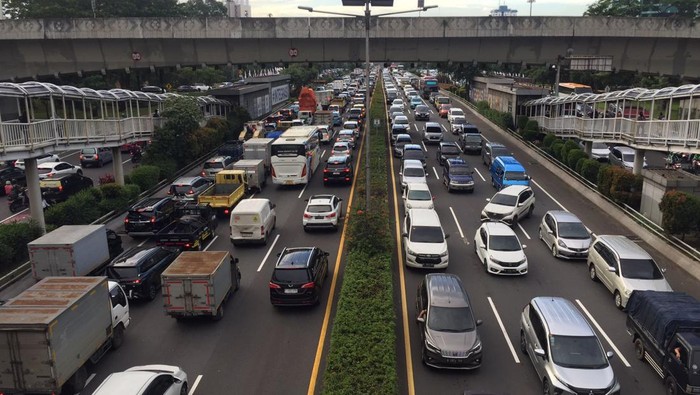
{"x":405,"y":234}
{"x":422,"y":304}
{"x":549,"y":232}
{"x":522,"y":199}
{"x":602,"y":264}
{"x":120,"y":305}
{"x":483,"y":245}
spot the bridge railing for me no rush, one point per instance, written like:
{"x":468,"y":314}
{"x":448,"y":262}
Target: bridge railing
{"x":685,"y":133}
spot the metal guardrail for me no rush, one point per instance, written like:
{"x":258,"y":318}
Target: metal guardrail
{"x":633,"y":214}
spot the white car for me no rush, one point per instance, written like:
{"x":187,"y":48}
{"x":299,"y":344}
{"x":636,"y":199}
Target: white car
{"x":509,"y":204}
{"x":346,"y":136}
{"x":454,"y":112}
{"x":565,"y":235}
{"x":417,"y":195}
{"x":40,"y":159}
{"x":399,"y":102}
{"x":341,"y":148}
{"x":145,"y":380}
{"x":50,"y":169}
{"x":425,"y":244}
{"x":499,"y":249}
{"x":401,"y":121}
{"x":322,"y":211}
{"x":412,"y":172}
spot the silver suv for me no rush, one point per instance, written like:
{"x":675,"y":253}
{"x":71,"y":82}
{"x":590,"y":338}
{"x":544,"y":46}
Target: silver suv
{"x":564,"y":350}
{"x":448,"y":330}
{"x":509,"y":204}
{"x":188,"y":188}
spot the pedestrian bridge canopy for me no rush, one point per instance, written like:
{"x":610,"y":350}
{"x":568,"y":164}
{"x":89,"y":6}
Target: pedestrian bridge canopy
{"x":666,"y":119}
{"x":38,"y":118}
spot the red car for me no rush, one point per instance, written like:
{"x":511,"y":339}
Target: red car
{"x":444,"y":109}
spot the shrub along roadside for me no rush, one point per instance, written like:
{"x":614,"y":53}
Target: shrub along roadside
{"x":362,"y":353}
{"x":13,"y":243}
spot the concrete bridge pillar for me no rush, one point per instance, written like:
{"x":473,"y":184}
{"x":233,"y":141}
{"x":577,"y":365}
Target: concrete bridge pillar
{"x":588,"y":147}
{"x":36,"y":209}
{"x":117,"y":165}
{"x":638,"y":161}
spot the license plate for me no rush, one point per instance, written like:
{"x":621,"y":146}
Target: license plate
{"x":291,"y":291}
{"x":452,"y":360}
{"x":428,"y":265}
{"x":247,"y":233}
{"x":288,"y":182}
{"x":335,"y":173}
{"x":318,"y":217}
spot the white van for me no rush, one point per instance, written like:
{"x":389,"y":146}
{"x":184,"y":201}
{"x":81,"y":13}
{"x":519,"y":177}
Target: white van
{"x":252,"y":220}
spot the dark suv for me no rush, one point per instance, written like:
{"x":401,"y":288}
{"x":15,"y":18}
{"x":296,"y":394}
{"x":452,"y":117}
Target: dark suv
{"x":457,"y":175}
{"x":299,"y":276}
{"x":470,"y":142}
{"x":447,"y":150}
{"x":338,"y":169}
{"x":149,"y":216}
{"x":138,"y":270}
{"x":58,"y":188}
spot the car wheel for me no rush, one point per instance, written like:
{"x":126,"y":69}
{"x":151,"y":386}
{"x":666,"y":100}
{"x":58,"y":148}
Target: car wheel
{"x":639,"y":349}
{"x":100,"y":163}
{"x":540,"y":234}
{"x":423,"y":358}
{"x":264,"y":240}
{"x":670,"y":386}
{"x":118,"y":337}
{"x":219,"y":313}
{"x":523,"y":346}
{"x":554,"y":250}
{"x":618,"y":300}
{"x":183,"y":389}
{"x":486,"y":266}
{"x":546,"y":388}
{"x":591,"y":272}
{"x":515,"y":221}
{"x":530,"y":210}
{"x":152,"y":291}
{"x":306,"y":229}
{"x":79,"y":172}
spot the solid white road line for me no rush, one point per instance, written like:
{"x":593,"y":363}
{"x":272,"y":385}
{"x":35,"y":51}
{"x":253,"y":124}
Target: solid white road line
{"x":424,"y":147}
{"x":195,"y":385}
{"x":523,"y":230}
{"x":503,"y":330}
{"x":415,"y":127}
{"x":142,"y":243}
{"x":89,"y":379}
{"x":479,"y":173}
{"x":14,"y":215}
{"x":302,"y":191}
{"x":211,"y":243}
{"x":323,"y":153}
{"x":461,"y":234}
{"x":605,"y":335}
{"x":550,"y":196}
{"x":251,"y":196}
{"x":484,"y":138}
{"x":126,"y":161}
{"x":436,"y":174}
{"x":268,"y":252}
{"x":443,"y":128}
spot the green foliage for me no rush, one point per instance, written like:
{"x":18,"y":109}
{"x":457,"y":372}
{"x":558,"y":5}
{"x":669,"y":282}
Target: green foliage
{"x":573,"y":157}
{"x":579,"y":163}
{"x":637,"y":8}
{"x":146,"y":177}
{"x":555,"y":149}
{"x":531,"y":135}
{"x":532,"y":125}
{"x":620,"y":185}
{"x":189,"y":75}
{"x":117,"y":197}
{"x":300,"y":75}
{"x":502,"y":119}
{"x":548,"y":140}
{"x":589,"y":170}
{"x":237,"y":117}
{"x":680,"y":212}
{"x":14,"y":237}
{"x":522,"y":122}
{"x":23,"y":9}
{"x":604,"y":180}
{"x":568,"y":146}
{"x":81,"y":208}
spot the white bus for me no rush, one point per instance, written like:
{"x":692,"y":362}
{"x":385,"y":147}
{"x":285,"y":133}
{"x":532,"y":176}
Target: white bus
{"x":295,"y":155}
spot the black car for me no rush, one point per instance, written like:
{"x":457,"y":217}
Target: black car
{"x":493,"y":150}
{"x":470,"y":142}
{"x":338,"y":169}
{"x":138,"y":270}
{"x":187,"y":88}
{"x":59,"y":188}
{"x":152,"y":89}
{"x":447,"y":150}
{"x":298,"y":276}
{"x":421,"y":113}
{"x":149,"y":215}
{"x":13,"y":174}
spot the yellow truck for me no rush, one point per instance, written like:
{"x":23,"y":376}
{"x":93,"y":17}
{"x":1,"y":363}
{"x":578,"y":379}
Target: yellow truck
{"x":228,"y":189}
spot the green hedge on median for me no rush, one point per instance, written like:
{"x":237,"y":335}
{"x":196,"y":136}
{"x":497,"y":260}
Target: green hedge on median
{"x":362,"y":354}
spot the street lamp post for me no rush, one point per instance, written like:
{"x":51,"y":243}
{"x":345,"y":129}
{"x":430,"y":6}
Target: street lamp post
{"x":530,"y":1}
{"x":569,"y":52}
{"x":367,"y":19}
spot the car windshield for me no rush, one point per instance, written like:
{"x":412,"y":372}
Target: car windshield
{"x":419,"y":195}
{"x":427,"y":234}
{"x":460,"y":170}
{"x":628,"y":157}
{"x":459,"y":121}
{"x":457,"y":112}
{"x":451,"y":319}
{"x":499,"y":151}
{"x":472,"y":137}
{"x":318,"y":208}
{"x":413,"y":154}
{"x":290,"y":275}
{"x":598,"y":145}
{"x":340,"y":148}
{"x":288,"y":150}
{"x":87,"y":151}
{"x":641,"y":269}
{"x":504,"y":243}
{"x":581,"y":352}
{"x":450,"y":150}
{"x":573,"y":230}
{"x":516,"y":175}
{"x":421,"y":108}
{"x":413,"y":172}
{"x":504,"y":200}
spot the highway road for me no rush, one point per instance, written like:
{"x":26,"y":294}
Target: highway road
{"x":258,"y":349}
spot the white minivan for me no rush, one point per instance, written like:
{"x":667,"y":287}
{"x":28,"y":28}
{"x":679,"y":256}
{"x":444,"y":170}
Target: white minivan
{"x":252,"y":220}
{"x":424,"y":240}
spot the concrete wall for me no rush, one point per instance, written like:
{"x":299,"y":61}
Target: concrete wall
{"x":657,"y":183}
{"x":49,"y":46}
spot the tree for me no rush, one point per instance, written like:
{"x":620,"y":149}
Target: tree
{"x":25,"y":9}
{"x":300,"y":75}
{"x":637,"y":8}
{"x":203,"y":8}
{"x":680,"y":212}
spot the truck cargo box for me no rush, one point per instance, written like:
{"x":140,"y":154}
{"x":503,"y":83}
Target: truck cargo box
{"x":197,"y":283}
{"x":254,"y":171}
{"x":49,"y":332}
{"x":259,"y":148}
{"x":71,"y":250}
{"x":662,"y":313}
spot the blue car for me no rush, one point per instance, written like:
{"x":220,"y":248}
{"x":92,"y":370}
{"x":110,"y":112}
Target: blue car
{"x":457,"y":175}
{"x":337,"y":119}
{"x":415,"y":101}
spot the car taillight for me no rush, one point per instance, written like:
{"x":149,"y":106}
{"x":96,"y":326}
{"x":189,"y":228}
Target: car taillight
{"x":82,"y":157}
{"x":187,"y":245}
{"x":307,"y":215}
{"x":153,"y":220}
{"x":326,"y":171}
{"x":204,"y":173}
{"x":190,"y":192}
{"x":325,"y":179}
{"x":97,"y":156}
{"x":50,"y":175}
{"x":273,"y":172}
{"x":137,"y":281}
{"x":60,"y":188}
{"x":126,"y":220}
{"x":170,"y":192}
{"x":274,"y":286}
{"x":308,"y":285}
{"x":226,"y":211}
{"x":303,"y":171}
{"x":331,"y":215}
{"x":347,"y":170}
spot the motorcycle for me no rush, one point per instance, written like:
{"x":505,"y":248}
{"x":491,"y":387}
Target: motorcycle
{"x":136,"y":156}
{"x":18,"y":201}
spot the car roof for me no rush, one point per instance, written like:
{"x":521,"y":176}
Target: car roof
{"x":455,"y":109}
{"x":508,"y":160}
{"x":418,"y":186}
{"x":294,"y":258}
{"x":341,"y":143}
{"x":427,"y":124}
{"x":446,"y":290}
{"x":624,"y":148}
{"x":448,"y":143}
{"x":424,"y":217}
{"x":562,"y":317}
{"x":252,"y":204}
{"x":494,"y":144}
{"x":624,"y":247}
{"x":218,"y":158}
{"x":499,"y":229}
{"x":563,"y":216}
{"x":412,"y":163}
{"x":148,"y":204}
{"x":412,"y":146}
{"x":130,"y":382}
{"x":401,"y":116}
{"x":513,"y":190}
{"x":457,"y":162}
{"x":133,"y":256}
{"x":186,"y":180}
{"x":321,"y":199}
{"x":48,"y":165}
{"x":347,"y":131}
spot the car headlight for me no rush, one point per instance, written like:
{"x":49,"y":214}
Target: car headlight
{"x":628,"y":292}
{"x":520,"y":262}
{"x":494,"y":260}
{"x":561,"y":244}
{"x":443,"y":254}
{"x":409,"y":251}
{"x":477,"y":347}
{"x":430,"y":346}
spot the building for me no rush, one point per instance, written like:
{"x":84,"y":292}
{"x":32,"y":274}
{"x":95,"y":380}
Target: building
{"x":258,"y":95}
{"x":238,"y":9}
{"x":504,"y":94}
{"x":503,"y":10}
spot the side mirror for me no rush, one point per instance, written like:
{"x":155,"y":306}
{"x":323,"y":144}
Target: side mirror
{"x":274,"y":205}
{"x":278,"y":254}
{"x":420,"y":319}
{"x":404,"y":234}
{"x":325,"y":254}
{"x":479,"y":322}
{"x":340,"y":199}
{"x":471,"y":172}
{"x":540,"y":352}
{"x":482,"y":245}
{"x":306,"y":200}
{"x":400,"y":173}
{"x":612,"y":269}
{"x":524,"y":246}
{"x":447,"y":236}
{"x":488,"y":199}
{"x":610,"y":354}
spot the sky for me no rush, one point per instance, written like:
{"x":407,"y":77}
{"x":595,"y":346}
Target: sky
{"x":471,"y":8}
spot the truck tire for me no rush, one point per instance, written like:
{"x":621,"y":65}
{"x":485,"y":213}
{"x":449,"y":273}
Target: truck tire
{"x":219,"y":313}
{"x":639,"y":349}
{"x":76,"y":382}
{"x":670,"y":386}
{"x":183,"y":389}
{"x":118,"y":337}
{"x":152,"y":291}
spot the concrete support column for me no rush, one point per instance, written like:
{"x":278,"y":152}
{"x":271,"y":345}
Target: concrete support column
{"x":34,"y":192}
{"x":588,"y":147}
{"x":117,"y":165}
{"x":638,"y":161}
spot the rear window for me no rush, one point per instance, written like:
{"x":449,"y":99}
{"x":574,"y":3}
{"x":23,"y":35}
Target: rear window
{"x":118,"y":273}
{"x":319,"y":208}
{"x":44,"y":170}
{"x":213,"y":165}
{"x":290,"y":275}
{"x":181,"y":188}
{"x":87,"y":151}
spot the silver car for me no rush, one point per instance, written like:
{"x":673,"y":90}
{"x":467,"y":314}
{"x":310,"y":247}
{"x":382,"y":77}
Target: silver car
{"x":564,"y":349}
{"x":188,"y":188}
{"x":565,"y":235}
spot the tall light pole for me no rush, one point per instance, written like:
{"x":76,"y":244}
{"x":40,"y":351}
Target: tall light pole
{"x":569,"y":52}
{"x":530,"y":1}
{"x":367,"y":20}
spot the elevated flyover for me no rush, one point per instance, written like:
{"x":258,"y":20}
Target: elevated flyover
{"x":35,"y":47}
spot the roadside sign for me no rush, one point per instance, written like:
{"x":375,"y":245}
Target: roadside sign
{"x":293,"y":52}
{"x":377,"y":122}
{"x":136,"y":56}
